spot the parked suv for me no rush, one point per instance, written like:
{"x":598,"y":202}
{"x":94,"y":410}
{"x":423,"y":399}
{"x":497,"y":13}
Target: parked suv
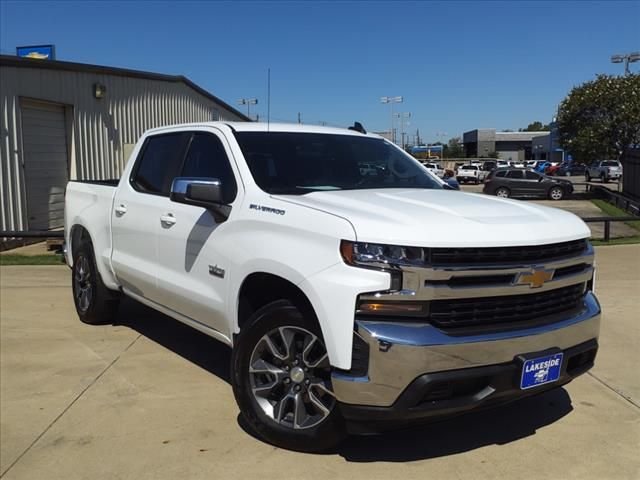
{"x":516,"y":182}
{"x":356,"y":292}
{"x":605,"y":170}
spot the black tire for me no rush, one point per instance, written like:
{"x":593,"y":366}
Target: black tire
{"x":321,"y":437}
{"x":556,"y":193}
{"x":506,"y":193}
{"x":95,"y":303}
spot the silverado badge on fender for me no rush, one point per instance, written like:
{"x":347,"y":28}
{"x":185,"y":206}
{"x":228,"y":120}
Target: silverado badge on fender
{"x":536,"y":278}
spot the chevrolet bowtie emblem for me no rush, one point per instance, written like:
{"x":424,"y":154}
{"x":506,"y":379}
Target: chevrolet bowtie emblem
{"x":535,"y":279}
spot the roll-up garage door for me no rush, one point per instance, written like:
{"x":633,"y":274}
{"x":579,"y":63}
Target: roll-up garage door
{"x":44,"y":140}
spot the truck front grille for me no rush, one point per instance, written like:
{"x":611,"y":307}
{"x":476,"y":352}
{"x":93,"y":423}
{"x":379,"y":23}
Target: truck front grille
{"x":507,"y":310}
{"x":505,"y":255}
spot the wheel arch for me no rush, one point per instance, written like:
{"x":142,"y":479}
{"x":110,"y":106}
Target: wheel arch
{"x":261,"y":288}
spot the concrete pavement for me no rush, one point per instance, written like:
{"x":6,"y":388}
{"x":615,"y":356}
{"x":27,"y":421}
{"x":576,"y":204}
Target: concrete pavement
{"x":149,"y":398}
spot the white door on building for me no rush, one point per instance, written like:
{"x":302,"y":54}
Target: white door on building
{"x":45,"y":157}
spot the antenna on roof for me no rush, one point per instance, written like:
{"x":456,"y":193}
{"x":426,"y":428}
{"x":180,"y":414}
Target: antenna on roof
{"x":357,"y":126}
{"x":268,"y":97}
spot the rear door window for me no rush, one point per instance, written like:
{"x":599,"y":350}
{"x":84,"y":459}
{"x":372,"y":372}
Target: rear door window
{"x":159,"y":163}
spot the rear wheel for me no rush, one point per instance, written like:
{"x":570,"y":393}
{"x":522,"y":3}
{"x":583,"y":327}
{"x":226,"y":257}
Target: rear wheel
{"x":95,"y":303}
{"x":282,"y":380}
{"x":556,"y":193}
{"x":503,"y":192}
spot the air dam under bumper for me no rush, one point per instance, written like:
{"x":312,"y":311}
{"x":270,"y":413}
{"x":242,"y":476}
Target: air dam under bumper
{"x":418,"y":371}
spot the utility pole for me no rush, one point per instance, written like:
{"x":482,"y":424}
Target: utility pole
{"x":299,"y":118}
{"x":418,"y":137}
{"x":402,"y":116}
{"x":248,"y":102}
{"x":391,"y":100}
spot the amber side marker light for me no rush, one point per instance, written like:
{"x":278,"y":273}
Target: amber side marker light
{"x":346,"y":250}
{"x":400,"y":307}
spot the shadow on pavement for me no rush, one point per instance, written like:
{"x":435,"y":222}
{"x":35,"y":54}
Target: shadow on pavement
{"x":461,"y":434}
{"x":198,"y":348}
{"x":448,"y":437}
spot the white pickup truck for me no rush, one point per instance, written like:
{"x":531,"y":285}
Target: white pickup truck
{"x":354,"y":298}
{"x":470,"y":173}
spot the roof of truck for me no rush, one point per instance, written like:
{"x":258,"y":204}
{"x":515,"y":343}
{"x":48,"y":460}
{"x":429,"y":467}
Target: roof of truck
{"x":272,"y":127}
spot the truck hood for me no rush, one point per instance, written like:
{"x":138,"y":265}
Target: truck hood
{"x":443,"y":218}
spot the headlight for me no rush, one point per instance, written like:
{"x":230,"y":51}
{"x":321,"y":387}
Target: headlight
{"x":376,"y":255}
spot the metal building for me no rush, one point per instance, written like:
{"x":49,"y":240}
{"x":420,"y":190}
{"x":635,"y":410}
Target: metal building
{"x":62,"y":121}
{"x":514,"y":146}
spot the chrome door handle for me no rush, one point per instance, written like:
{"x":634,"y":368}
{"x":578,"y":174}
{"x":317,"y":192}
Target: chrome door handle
{"x":168,"y":219}
{"x":120,"y":210}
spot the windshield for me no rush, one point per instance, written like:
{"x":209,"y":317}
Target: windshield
{"x":299,"y":163}
{"x":469,"y":167}
{"x":609,"y":163}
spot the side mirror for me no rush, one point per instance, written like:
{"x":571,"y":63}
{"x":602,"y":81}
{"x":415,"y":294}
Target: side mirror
{"x":201,"y":192}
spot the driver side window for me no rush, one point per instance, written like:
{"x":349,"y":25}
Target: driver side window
{"x":207,"y":158}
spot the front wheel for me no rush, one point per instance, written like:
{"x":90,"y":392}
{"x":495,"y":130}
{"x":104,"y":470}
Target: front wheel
{"x":604,"y":178}
{"x":556,"y":193}
{"x":281,"y":380}
{"x":503,"y":192}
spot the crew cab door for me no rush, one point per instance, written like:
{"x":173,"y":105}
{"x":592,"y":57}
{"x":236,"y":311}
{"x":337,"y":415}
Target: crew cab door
{"x":136,"y":210}
{"x":193,"y":272}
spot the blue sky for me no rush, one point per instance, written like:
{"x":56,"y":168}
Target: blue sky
{"x":458,"y":65}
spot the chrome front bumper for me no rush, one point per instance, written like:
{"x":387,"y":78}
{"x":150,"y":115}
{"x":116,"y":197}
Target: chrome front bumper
{"x":400,"y":352}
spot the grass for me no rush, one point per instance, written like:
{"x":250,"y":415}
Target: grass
{"x":9,"y":259}
{"x":616,"y":241}
{"x":614,"y":211}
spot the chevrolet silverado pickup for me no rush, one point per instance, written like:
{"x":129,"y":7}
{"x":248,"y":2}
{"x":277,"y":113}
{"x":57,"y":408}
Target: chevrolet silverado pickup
{"x":356,"y":290}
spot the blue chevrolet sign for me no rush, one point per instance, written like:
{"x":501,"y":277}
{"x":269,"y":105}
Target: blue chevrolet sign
{"x":39,"y":52}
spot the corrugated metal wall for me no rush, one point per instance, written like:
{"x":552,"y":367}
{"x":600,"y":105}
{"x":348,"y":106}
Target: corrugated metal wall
{"x":99,"y":128}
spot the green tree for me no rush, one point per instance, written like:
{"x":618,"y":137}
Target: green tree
{"x":601,"y":118}
{"x":454,"y":149}
{"x":535,"y":127}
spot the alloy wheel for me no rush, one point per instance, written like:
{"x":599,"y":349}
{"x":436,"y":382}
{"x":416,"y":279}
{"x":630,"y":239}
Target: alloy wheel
{"x":289,"y":373}
{"x":82,"y":283}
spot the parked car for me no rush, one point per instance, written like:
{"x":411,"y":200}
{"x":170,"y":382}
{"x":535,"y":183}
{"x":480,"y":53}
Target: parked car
{"x":605,"y":170}
{"x":452,"y":182}
{"x":470,"y":173}
{"x":435,"y":168}
{"x":502,"y":164}
{"x":489,"y":165}
{"x":551,"y":169}
{"x":352,"y":299}
{"x":515,"y":182}
{"x":567,"y":169}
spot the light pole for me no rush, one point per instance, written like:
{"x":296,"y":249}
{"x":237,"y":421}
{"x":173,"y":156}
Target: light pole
{"x":248,"y":102}
{"x":391,"y":100}
{"x":627,"y":59}
{"x":402,"y":116}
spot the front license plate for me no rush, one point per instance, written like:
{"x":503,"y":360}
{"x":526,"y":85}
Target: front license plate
{"x":540,"y":371}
